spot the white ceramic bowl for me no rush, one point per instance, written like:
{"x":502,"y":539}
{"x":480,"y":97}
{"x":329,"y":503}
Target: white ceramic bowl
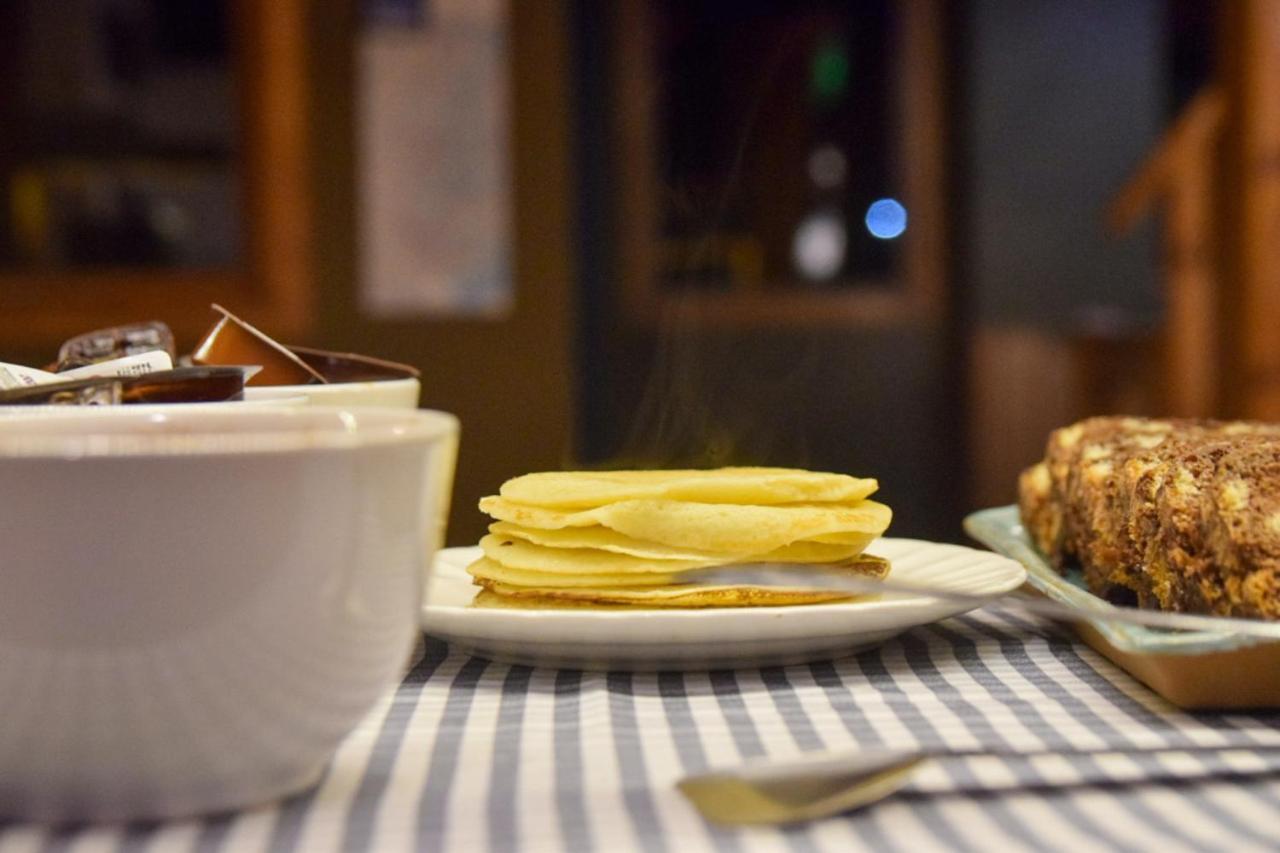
{"x":198,"y":606}
{"x":389,"y":393}
{"x":400,"y":394}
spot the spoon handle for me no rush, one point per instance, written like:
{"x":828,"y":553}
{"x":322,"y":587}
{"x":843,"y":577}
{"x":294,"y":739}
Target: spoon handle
{"x":799,"y":575}
{"x":823,"y":784}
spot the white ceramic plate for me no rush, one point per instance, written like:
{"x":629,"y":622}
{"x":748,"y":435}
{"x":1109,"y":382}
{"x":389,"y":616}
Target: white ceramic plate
{"x":709,"y":638}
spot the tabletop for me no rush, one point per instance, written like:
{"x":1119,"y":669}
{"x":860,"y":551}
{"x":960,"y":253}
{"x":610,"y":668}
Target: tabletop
{"x":467,"y":754}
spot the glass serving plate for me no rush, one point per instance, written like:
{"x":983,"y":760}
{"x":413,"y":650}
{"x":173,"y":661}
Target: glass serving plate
{"x":1192,"y":669}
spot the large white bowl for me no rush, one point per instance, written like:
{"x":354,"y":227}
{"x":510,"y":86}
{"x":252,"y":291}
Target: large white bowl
{"x":257,"y":401}
{"x":196,"y":607}
{"x":401,"y":393}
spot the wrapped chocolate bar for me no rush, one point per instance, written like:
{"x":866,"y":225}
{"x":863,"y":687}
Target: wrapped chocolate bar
{"x":114,"y":343}
{"x":178,"y":385}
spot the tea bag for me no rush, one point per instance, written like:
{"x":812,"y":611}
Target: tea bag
{"x":233,"y":341}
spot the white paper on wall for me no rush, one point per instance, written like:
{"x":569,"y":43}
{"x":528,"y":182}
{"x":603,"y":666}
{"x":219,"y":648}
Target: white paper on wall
{"x":433,"y":128}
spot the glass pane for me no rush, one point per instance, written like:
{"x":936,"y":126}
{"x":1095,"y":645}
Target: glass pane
{"x":120,"y":135}
{"x":777,"y":143}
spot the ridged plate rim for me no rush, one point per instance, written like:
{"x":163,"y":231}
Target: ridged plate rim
{"x":713,"y":632}
{"x":1000,"y":529}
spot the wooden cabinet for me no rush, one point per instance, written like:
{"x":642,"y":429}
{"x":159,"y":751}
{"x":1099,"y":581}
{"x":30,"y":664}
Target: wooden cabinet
{"x":45,"y":299}
{"x":756,"y":96}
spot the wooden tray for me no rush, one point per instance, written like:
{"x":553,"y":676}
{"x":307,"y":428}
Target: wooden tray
{"x":1198,"y":670}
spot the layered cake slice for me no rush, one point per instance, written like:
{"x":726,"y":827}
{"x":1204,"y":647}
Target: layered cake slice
{"x":1168,"y":514}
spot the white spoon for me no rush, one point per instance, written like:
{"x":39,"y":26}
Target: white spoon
{"x":805,"y":575}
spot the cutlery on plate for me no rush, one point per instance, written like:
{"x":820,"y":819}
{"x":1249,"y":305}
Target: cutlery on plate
{"x":796,"y":575}
{"x":772,"y":792}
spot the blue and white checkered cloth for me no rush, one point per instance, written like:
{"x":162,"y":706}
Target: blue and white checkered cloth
{"x":471,"y":755}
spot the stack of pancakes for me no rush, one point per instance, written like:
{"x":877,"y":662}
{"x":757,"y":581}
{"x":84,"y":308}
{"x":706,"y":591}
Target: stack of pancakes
{"x":624,"y":538}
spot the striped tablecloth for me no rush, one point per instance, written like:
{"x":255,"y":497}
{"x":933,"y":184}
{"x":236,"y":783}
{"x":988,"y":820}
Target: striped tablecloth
{"x":472,"y":755}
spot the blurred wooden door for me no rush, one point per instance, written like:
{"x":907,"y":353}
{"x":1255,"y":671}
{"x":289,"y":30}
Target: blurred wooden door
{"x":1213,"y":181}
{"x":1059,"y":314}
{"x":1248,"y":209}
{"x":740,"y":304}
{"x":1212,"y":184}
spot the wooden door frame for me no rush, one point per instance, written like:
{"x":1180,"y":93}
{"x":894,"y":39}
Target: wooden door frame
{"x":918,"y":295}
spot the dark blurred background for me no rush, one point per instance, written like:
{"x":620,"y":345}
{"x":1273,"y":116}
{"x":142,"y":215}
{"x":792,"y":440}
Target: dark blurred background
{"x":895,"y":238}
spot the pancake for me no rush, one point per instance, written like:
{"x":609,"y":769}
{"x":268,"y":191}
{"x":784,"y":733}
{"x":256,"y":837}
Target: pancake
{"x":675,"y":595}
{"x":487,"y":569}
{"x":598,"y":538}
{"x":519,"y":554}
{"x":568,"y":490}
{"x":604,"y":539}
{"x":724,"y":528}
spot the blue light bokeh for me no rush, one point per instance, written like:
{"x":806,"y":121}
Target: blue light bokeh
{"x":886,"y":218}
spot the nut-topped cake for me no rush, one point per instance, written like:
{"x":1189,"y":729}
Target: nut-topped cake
{"x":1168,"y":514}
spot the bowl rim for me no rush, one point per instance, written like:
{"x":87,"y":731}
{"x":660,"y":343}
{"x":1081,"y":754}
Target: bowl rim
{"x":116,"y":432}
{"x":261,"y":391}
